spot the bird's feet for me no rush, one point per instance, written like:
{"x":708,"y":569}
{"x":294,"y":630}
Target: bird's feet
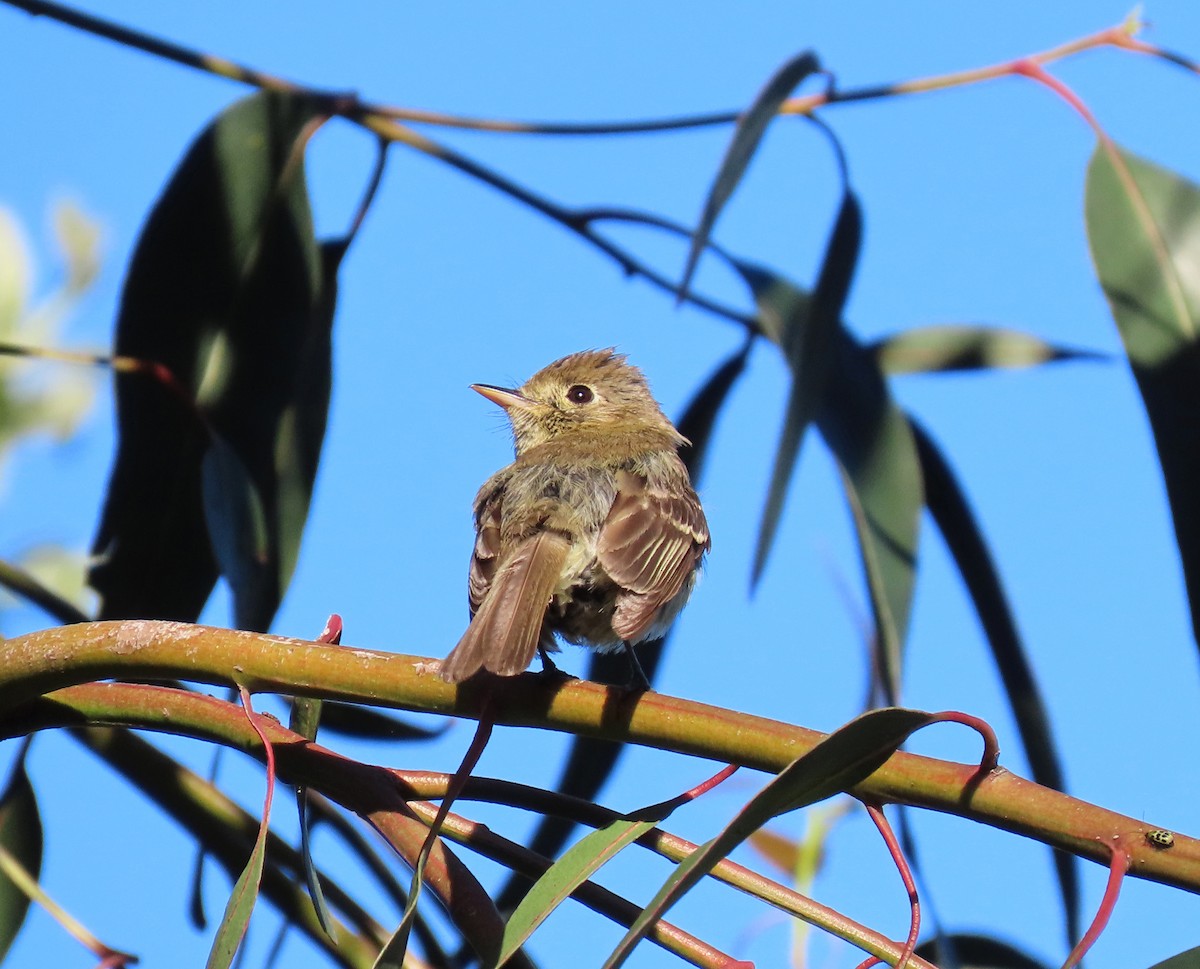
{"x":638,"y":681}
{"x":550,"y":672}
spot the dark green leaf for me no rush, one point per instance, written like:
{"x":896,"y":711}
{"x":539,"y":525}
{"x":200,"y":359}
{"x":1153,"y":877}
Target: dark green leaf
{"x":229,"y":292}
{"x":1143,"y":222}
{"x":841,"y":760}
{"x":301,"y":431}
{"x":928,"y":349}
{"x":955,"y":520}
{"x":778,"y":300}
{"x":751,"y":127}
{"x":305,"y":720}
{"x":237,"y":526}
{"x":977,"y":952}
{"x":869,"y":436}
{"x":807,"y":326}
{"x":311,"y":876}
{"x":1189,"y":959}
{"x":21,"y":837}
{"x":873,"y":443}
{"x":306,"y":716}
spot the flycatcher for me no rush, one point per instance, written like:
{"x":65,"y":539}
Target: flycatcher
{"x":594,"y":532}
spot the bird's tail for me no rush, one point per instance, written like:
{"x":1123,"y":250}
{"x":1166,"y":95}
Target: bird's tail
{"x":504,"y":633}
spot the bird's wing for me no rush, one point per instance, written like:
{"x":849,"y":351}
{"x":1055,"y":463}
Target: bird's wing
{"x":650,"y":543}
{"x":487,"y":548}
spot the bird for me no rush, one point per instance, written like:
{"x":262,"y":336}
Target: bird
{"x":594,"y":531}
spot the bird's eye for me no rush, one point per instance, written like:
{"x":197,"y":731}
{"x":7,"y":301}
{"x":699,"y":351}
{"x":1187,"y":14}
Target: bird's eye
{"x":580,"y":394}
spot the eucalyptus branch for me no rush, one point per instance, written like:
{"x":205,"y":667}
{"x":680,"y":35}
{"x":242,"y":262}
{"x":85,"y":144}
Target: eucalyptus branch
{"x":1122,"y":36}
{"x":227,"y":831}
{"x":384,"y":121}
{"x":205,"y":718}
{"x":214,"y":819}
{"x":376,"y":794}
{"x":361,"y":788}
{"x":146,"y":650}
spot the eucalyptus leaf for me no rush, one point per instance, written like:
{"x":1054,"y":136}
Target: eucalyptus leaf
{"x":747,"y":135}
{"x":1143,"y":225}
{"x":849,"y":755}
{"x":942,"y":349}
{"x":228,"y":304}
{"x":21,"y":837}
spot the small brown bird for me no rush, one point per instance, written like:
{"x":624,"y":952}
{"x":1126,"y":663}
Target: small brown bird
{"x":593,"y":532}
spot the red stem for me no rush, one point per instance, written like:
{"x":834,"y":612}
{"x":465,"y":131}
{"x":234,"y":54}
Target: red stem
{"x":991,"y":746}
{"x":906,"y":876}
{"x":268,"y":751}
{"x":1117,"y":868}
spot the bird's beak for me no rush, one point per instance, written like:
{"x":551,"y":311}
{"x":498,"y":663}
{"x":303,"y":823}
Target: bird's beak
{"x":510,"y":400}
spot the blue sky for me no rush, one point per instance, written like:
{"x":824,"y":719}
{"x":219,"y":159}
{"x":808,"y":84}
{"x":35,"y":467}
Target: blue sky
{"x":973,"y":206}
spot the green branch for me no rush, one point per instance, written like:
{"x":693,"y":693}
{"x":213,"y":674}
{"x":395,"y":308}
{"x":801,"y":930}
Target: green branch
{"x":52,"y":659}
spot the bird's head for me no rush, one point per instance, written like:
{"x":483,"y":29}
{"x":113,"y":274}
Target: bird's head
{"x":595,"y":392}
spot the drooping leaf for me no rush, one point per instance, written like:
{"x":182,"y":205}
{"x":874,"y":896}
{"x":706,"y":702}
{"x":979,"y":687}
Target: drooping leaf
{"x":751,"y":127}
{"x":579,"y":863}
{"x":869,"y":436}
{"x":928,"y":349}
{"x":873,"y":443}
{"x":584,"y":859}
{"x":301,"y":431}
{"x":807,"y":325}
{"x":237,"y":525}
{"x":312,"y":877}
{"x":1143,"y":226}
{"x":784,"y":309}
{"x":843,"y":759}
{"x":953,"y":516}
{"x":229,"y":292}
{"x":305,"y":720}
{"x":21,"y":837}
{"x":236,"y":918}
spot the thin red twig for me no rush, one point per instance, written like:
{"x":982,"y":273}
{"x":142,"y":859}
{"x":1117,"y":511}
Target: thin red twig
{"x":268,"y":751}
{"x":906,"y":876}
{"x":991,"y":746}
{"x":1117,"y":868}
{"x":663,"y":808}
